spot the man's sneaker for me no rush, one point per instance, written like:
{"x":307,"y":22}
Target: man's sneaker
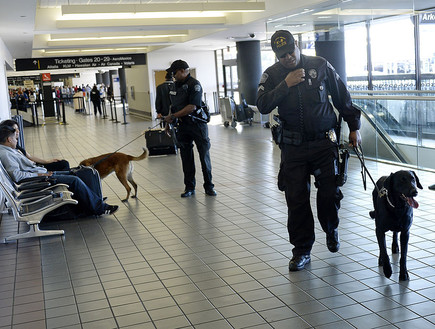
{"x":110,"y":210}
{"x":298,"y":262}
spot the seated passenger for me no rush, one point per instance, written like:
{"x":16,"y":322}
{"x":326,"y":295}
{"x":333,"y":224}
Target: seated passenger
{"x":19,"y":167}
{"x":50,"y":165}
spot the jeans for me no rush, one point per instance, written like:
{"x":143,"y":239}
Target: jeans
{"x":87,"y":199}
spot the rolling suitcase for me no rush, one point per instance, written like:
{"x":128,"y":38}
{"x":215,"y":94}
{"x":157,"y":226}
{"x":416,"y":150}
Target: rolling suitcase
{"x":159,"y":143}
{"x":89,"y":176}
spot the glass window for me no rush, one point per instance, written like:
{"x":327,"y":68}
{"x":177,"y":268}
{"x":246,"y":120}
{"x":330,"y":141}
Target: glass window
{"x":355,"y":47}
{"x":427,"y":47}
{"x":307,"y":44}
{"x":392,"y":45}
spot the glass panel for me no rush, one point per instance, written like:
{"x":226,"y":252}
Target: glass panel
{"x":355,"y":45}
{"x":220,"y":73}
{"x":235,"y":84}
{"x":393,"y":54}
{"x":230,"y":53}
{"x":427,"y":53}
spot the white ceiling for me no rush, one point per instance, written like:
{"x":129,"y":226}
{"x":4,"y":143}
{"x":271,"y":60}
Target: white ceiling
{"x":26,"y":27}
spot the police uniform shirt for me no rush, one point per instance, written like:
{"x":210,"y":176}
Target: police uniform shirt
{"x":184,"y":93}
{"x":305,"y":107}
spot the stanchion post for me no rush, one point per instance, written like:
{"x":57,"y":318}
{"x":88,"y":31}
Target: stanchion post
{"x":116,"y":114}
{"x":63,"y":113}
{"x":123,"y":111}
{"x":103,"y":105}
{"x":34,"y":113}
{"x":111,"y":109}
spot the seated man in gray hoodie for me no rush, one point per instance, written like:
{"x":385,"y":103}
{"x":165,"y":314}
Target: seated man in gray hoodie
{"x":19,"y":166}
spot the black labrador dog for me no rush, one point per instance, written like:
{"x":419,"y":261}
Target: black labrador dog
{"x":393,"y":200}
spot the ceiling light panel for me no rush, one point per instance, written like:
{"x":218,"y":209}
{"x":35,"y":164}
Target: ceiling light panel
{"x":164,"y":7}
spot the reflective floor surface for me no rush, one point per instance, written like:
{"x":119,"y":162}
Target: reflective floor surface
{"x":207,"y":262}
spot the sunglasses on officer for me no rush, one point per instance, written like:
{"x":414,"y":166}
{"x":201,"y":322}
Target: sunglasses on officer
{"x":285,"y":55}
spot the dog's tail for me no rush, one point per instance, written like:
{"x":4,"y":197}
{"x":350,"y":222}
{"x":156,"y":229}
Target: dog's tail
{"x":372,"y":214}
{"x":140,"y":157}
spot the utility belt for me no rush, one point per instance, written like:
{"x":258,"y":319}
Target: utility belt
{"x":286,"y":136}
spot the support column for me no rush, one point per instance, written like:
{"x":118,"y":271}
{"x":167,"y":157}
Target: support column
{"x":106,"y":79}
{"x":249,"y":68}
{"x":122,"y":83}
{"x":99,"y":78}
{"x":331,"y":47}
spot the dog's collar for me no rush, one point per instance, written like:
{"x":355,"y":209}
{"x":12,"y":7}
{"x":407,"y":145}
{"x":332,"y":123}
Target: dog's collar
{"x":384,"y":192}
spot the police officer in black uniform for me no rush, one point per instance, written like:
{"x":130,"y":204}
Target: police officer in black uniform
{"x":299,"y":86}
{"x":186,"y":99}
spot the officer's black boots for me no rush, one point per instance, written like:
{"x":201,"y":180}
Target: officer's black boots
{"x":298,"y":262}
{"x":332,"y":241}
{"x":187,"y":193}
{"x":210,"y":192}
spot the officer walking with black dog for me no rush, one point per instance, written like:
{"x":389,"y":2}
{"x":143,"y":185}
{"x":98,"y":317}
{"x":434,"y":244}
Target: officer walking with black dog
{"x":186,"y":101}
{"x":299,"y":85}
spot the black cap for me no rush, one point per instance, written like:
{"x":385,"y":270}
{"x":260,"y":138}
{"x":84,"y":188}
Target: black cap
{"x":282,"y":42}
{"x":177,"y":65}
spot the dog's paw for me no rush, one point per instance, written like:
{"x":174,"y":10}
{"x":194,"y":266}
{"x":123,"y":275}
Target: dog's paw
{"x":404,"y":276}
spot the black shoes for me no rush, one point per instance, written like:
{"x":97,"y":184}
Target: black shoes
{"x":332,"y":241}
{"x":298,"y":262}
{"x":110,"y":210}
{"x":187,"y":193}
{"x":210,"y":192}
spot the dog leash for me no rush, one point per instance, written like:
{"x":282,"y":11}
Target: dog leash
{"x":364,"y":171}
{"x":109,"y":155}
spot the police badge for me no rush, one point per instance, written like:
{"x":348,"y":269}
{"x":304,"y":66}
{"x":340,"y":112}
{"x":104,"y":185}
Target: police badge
{"x":312,"y":73}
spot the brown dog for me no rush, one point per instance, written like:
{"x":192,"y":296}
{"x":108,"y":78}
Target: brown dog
{"x":120,"y":163}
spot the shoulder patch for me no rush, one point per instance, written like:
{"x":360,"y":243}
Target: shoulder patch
{"x":197,"y":88}
{"x":330,"y":66}
{"x":260,"y":88}
{"x":264,"y":77}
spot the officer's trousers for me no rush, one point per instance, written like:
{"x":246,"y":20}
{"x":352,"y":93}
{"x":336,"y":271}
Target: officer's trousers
{"x":298,"y":163}
{"x":187,"y":134}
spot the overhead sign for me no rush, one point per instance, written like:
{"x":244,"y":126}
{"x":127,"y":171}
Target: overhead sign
{"x":78,"y":62}
{"x":427,"y":18}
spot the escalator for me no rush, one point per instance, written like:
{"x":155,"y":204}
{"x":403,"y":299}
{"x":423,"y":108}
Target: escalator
{"x":376,"y":124}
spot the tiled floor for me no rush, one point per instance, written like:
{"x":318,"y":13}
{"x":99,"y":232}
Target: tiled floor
{"x":207,"y":262}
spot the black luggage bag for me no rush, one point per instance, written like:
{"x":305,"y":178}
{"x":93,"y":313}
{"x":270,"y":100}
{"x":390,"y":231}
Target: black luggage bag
{"x":159,"y":143}
{"x":89,"y":176}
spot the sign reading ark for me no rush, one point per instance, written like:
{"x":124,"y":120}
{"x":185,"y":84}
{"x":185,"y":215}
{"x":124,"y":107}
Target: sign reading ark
{"x":77,"y":62}
{"x":427,"y":18}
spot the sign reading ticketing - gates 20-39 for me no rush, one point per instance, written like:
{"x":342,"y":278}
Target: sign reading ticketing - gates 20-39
{"x":77,"y":62}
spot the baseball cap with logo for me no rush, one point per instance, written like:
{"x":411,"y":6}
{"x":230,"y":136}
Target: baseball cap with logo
{"x":177,"y":65}
{"x":282,"y":42}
